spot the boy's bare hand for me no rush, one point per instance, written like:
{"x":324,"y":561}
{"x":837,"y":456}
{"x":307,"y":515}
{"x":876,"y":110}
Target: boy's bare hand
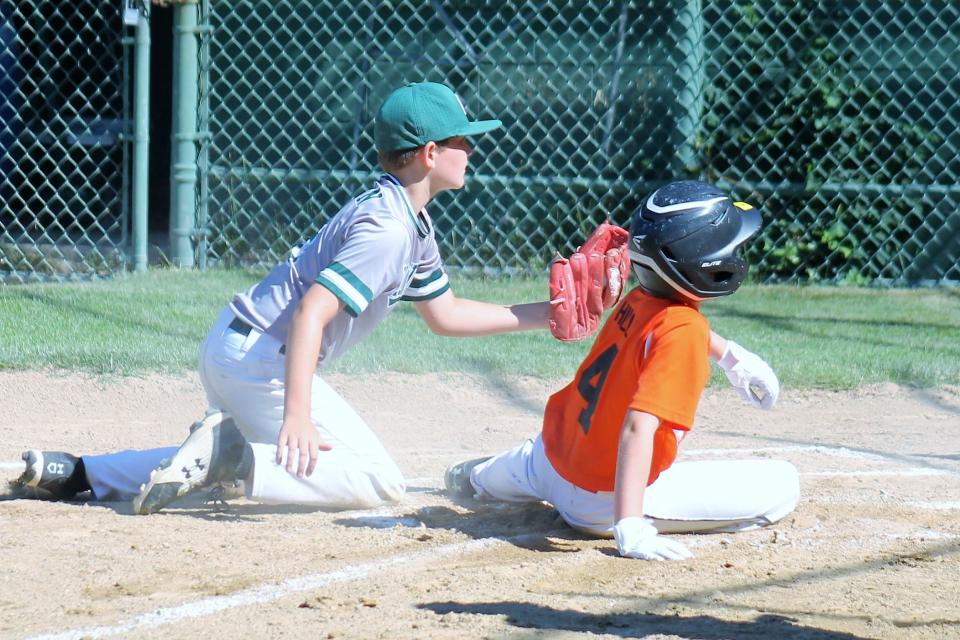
{"x":302,"y":443}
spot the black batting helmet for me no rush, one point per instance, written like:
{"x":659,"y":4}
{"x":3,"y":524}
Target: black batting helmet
{"x":685,"y":241}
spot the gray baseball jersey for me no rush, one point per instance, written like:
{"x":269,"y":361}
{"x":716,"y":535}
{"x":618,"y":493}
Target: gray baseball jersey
{"x":375,"y":252}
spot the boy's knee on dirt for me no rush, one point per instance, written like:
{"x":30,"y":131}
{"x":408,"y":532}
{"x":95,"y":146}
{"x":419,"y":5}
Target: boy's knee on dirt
{"x":337,"y":482}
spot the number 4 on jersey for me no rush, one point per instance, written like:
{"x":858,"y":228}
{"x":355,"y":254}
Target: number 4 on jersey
{"x":591,"y":383}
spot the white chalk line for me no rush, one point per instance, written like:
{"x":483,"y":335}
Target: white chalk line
{"x":902,"y":473}
{"x":922,"y":534}
{"x":838,"y":452}
{"x":269,"y":593}
{"x":930,"y":505}
{"x":934,"y":505}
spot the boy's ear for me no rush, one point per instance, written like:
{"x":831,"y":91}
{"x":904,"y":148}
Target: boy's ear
{"x":428,"y":154}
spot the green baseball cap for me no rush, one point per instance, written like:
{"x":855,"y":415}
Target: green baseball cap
{"x":422,"y":112}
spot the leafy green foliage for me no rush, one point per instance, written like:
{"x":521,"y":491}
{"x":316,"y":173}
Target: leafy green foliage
{"x":792,"y":108}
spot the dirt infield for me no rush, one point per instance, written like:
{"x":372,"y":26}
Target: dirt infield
{"x":873,"y":550}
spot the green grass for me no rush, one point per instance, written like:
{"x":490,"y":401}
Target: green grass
{"x":813,"y":337}
{"x":843,"y":338}
{"x":129,"y":325}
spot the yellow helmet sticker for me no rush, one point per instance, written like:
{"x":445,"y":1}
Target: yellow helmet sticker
{"x":743,"y":206}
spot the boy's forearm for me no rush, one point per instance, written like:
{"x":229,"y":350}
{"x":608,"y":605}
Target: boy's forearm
{"x":304,"y":339}
{"x":462,"y":317}
{"x":483,"y":318}
{"x":634,"y":458}
{"x":302,"y":352}
{"x":718,"y":346}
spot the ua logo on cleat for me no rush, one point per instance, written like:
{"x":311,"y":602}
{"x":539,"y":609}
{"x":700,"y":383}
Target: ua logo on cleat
{"x":198,"y":465}
{"x":55,"y":468}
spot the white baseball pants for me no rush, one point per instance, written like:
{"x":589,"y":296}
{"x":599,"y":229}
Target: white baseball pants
{"x":244,"y":376}
{"x":689,"y":497}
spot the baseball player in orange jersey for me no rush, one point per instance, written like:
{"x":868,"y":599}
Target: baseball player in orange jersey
{"x":605,"y":456}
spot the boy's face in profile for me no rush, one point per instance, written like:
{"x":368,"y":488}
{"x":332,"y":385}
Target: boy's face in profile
{"x":451,"y":164}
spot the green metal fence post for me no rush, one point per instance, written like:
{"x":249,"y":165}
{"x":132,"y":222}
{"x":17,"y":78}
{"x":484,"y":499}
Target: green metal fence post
{"x":204,"y":33}
{"x":691,"y":76}
{"x":141,"y":141}
{"x":183,"y":170}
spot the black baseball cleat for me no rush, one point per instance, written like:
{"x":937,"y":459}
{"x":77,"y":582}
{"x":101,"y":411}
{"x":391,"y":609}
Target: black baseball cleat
{"x":52,"y":475}
{"x":457,"y":478}
{"x":212,"y":453}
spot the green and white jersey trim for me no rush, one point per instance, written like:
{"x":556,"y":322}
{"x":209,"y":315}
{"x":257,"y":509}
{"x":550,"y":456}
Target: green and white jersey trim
{"x":421,"y":223}
{"x":428,"y":287}
{"x":374,"y":252}
{"x":346,"y":286}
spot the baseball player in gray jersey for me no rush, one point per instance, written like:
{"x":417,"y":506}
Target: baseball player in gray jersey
{"x":273,"y":421}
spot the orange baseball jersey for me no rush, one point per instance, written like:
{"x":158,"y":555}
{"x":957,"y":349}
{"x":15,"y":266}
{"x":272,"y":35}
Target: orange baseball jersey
{"x":651,"y":355}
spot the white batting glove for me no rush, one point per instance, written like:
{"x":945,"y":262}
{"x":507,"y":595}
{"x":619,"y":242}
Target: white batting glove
{"x":753,"y":378}
{"x":637,"y":538}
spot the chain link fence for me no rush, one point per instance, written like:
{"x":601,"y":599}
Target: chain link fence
{"x":840,"y":119}
{"x":63,"y":115}
{"x":837,"y":118}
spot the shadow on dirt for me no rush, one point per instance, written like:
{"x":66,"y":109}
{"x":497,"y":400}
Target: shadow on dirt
{"x":633,"y":625}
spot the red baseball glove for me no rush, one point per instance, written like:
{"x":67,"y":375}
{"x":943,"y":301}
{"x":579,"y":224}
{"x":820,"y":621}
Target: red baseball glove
{"x":587,"y":283}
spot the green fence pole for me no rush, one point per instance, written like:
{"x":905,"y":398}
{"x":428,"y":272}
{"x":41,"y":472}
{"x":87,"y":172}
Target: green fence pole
{"x":183,"y":169}
{"x":691,"y":75}
{"x":204,"y":31}
{"x":141,"y":141}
